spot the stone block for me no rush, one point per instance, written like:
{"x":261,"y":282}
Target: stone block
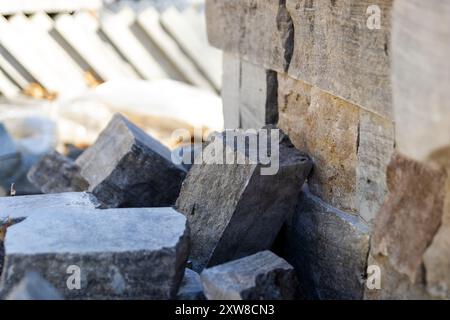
{"x":328,"y":249}
{"x":421,"y":80}
{"x":231,"y":91}
{"x":411,"y":215}
{"x":106,"y":254}
{"x":333,"y":46}
{"x":127,"y":167}
{"x":9,"y":154}
{"x":34,"y":287}
{"x":262,"y":276}
{"x":55,"y":173}
{"x":235,"y":210}
{"x":191,"y":287}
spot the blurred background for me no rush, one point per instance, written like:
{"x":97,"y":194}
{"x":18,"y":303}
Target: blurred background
{"x":66,"y":66}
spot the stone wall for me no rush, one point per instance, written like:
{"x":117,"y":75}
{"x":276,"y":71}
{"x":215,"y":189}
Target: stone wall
{"x":363,"y":87}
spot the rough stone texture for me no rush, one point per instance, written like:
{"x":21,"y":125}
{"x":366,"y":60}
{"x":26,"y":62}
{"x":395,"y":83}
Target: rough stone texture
{"x":325,"y":43}
{"x":375,"y":149}
{"x":233,"y":209}
{"x":421,"y":80}
{"x":20,"y":207}
{"x":34,"y":287}
{"x":411,"y":215}
{"x":9,"y":154}
{"x":191,"y":287}
{"x":262,"y":276}
{"x":249,"y":95}
{"x":437,"y":257}
{"x":325,"y":127}
{"x":127,"y":168}
{"x":328,"y":249}
{"x":55,"y":173}
{"x":121,"y":253}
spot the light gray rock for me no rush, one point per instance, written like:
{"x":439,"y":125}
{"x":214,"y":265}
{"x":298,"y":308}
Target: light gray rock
{"x":34,"y":287}
{"x":9,"y":154}
{"x":328,"y":249}
{"x":115,"y":254}
{"x":234,"y":210}
{"x":262,"y":276}
{"x":128,"y":168}
{"x":55,"y":173}
{"x":331,"y":45}
{"x":191,"y":287}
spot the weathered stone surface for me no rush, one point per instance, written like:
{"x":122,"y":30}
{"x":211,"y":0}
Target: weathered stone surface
{"x":437,"y":257}
{"x":128,"y":168}
{"x":9,"y":155}
{"x":411,"y":215}
{"x":55,"y":173}
{"x":328,"y":45}
{"x":328,"y":249}
{"x":249,"y":95}
{"x":186,"y":154}
{"x":325,"y":127}
{"x":375,"y":149}
{"x":234,"y":210}
{"x":421,"y":80}
{"x":191,"y":287}
{"x":394,"y":285}
{"x":120,"y":253}
{"x":262,"y":276}
{"x":20,"y":207}
{"x":34,"y":287}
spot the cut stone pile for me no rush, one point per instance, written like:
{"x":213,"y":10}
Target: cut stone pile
{"x":123,"y":221}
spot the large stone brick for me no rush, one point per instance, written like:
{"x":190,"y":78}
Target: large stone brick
{"x":328,"y":249}
{"x":421,"y":78}
{"x":411,"y":215}
{"x":117,"y":254}
{"x":235,"y":210}
{"x":350,"y":146}
{"x":325,"y":43}
{"x":125,"y":167}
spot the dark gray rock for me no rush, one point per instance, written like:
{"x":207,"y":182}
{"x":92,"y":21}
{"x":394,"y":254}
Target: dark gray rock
{"x":55,"y":173}
{"x":128,"y":168}
{"x":34,"y":287}
{"x":234,"y":210}
{"x":191,"y":287}
{"x":262,"y":276}
{"x":328,"y":249}
{"x":116,"y":254}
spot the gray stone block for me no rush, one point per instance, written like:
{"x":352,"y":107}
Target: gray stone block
{"x":9,"y":154}
{"x":191,"y":287}
{"x":55,"y":173}
{"x":115,"y":254}
{"x":128,"y":168}
{"x":328,"y":249}
{"x":34,"y":287}
{"x":262,"y":276}
{"x":234,"y":210}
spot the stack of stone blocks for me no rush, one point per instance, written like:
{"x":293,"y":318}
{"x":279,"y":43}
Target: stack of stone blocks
{"x":362,"y":87}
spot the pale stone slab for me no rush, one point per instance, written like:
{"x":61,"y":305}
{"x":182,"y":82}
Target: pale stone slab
{"x":235,"y":210}
{"x":119,"y":253}
{"x":327,"y":45}
{"x":191,"y":287}
{"x":421,"y":80}
{"x":231,"y":91}
{"x":55,"y":173}
{"x":34,"y":287}
{"x":411,"y":215}
{"x":9,"y":154}
{"x":262,"y":276}
{"x":328,"y":249}
{"x":117,"y":27}
{"x":149,"y":21}
{"x":207,"y":59}
{"x":125,"y":167}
